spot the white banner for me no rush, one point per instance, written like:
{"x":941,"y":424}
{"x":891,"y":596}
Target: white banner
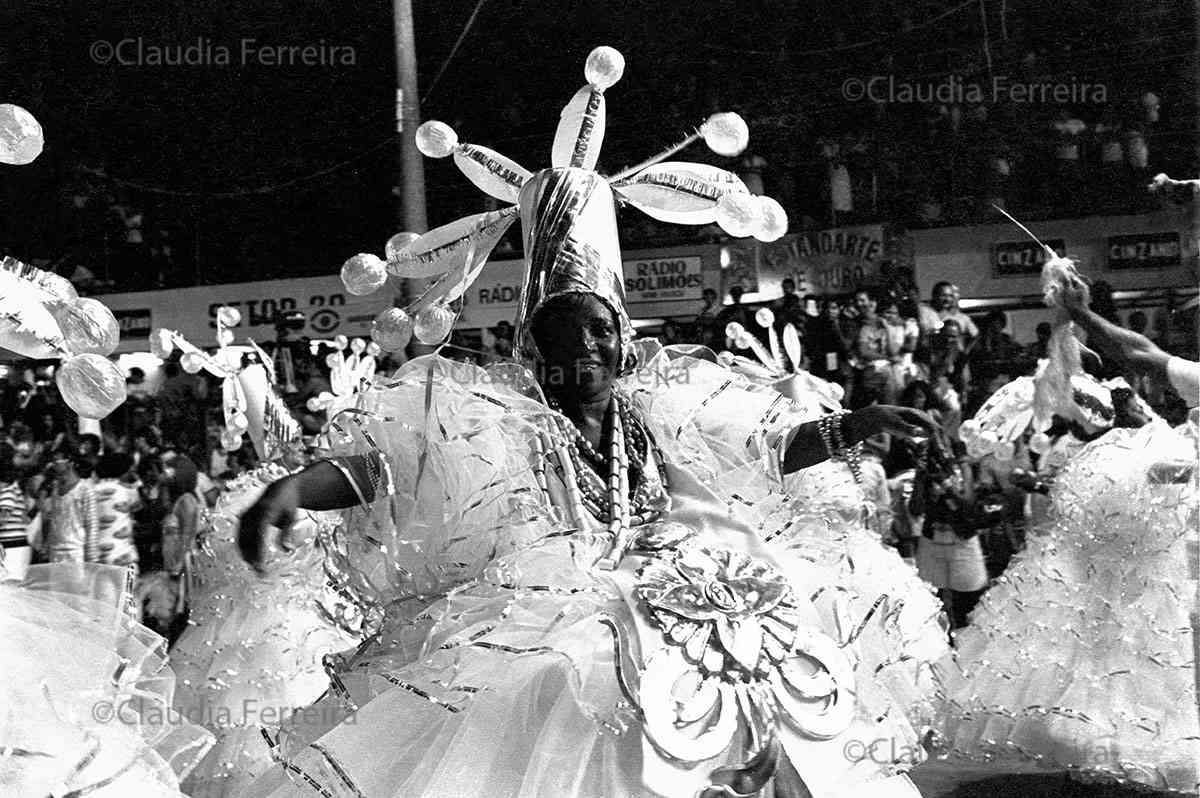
{"x":832,"y":261}
{"x":660,"y":281}
{"x":328,"y":310}
{"x":492,"y":298}
{"x":663,"y":279}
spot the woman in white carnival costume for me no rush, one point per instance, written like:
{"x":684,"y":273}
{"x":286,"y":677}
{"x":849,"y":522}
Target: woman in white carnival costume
{"x":86,"y":704}
{"x":569,"y":593}
{"x":1082,"y":658}
{"x":253,"y":651}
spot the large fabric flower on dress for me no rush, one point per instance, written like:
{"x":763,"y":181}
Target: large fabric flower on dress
{"x":737,"y":648}
{"x":718,"y":606}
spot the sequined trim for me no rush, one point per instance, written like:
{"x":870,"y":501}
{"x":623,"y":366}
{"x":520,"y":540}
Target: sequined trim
{"x":338,"y":769}
{"x":419,"y":692}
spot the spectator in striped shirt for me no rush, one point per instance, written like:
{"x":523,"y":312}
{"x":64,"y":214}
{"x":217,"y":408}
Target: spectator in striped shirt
{"x":70,"y":524}
{"x":14,"y":514}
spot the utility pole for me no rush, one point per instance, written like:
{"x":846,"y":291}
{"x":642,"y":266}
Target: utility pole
{"x":411,"y":171}
{"x":1194,"y":546}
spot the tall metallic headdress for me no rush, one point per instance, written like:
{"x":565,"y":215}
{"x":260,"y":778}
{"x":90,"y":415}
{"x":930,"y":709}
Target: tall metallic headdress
{"x":567,"y":213}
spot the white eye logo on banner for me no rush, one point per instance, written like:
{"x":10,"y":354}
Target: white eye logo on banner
{"x":324,"y":321}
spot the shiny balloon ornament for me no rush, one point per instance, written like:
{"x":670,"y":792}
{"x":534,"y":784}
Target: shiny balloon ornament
{"x":228,"y":316}
{"x":91,"y":384}
{"x":726,"y":134}
{"x":392,"y":330}
{"x":604,"y":67}
{"x":192,"y":362}
{"x":231,"y":440}
{"x":237,"y":421}
{"x":773,"y":221}
{"x":364,"y":274}
{"x":42,"y":317}
{"x":436,"y":139}
{"x":739,"y":215}
{"x":58,"y":287}
{"x":433,"y":324}
{"x":88,"y":326}
{"x":21,"y":138}
{"x":394,"y":247}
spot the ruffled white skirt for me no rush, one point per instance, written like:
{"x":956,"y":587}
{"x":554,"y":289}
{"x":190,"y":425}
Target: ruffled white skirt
{"x":86,"y":704}
{"x":513,"y":686}
{"x":253,"y":652}
{"x":1083,"y":657}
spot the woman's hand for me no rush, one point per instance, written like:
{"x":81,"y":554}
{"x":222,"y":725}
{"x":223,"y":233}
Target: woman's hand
{"x":1074,"y":296}
{"x":321,"y":486}
{"x":274,"y":510}
{"x":904,"y":422}
{"x":807,"y":448}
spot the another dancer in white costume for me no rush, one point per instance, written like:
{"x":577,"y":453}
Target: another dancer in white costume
{"x":571,"y":594}
{"x":1083,"y":658}
{"x":86,"y":704}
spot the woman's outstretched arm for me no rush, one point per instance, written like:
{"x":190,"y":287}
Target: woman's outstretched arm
{"x":807,"y":448}
{"x":324,"y":485}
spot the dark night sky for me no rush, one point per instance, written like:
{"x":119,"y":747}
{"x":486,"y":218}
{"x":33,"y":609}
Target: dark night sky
{"x":217,"y":128}
{"x":190,"y":132}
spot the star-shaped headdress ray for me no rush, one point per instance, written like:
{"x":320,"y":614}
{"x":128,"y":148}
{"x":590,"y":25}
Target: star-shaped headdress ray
{"x":568,"y":215}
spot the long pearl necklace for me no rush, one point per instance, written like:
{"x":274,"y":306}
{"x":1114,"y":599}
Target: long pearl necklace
{"x":614,"y":501}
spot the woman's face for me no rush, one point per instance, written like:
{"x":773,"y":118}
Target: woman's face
{"x":580,"y":343}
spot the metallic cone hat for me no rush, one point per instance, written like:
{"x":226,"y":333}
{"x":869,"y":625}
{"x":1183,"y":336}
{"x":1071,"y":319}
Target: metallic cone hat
{"x":567,"y":212}
{"x":570,"y":227}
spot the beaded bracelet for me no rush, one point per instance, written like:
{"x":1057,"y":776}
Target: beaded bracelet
{"x":830,"y":428}
{"x":373,"y":472}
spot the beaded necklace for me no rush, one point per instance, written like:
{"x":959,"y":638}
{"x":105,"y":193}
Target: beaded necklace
{"x":628,"y":497}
